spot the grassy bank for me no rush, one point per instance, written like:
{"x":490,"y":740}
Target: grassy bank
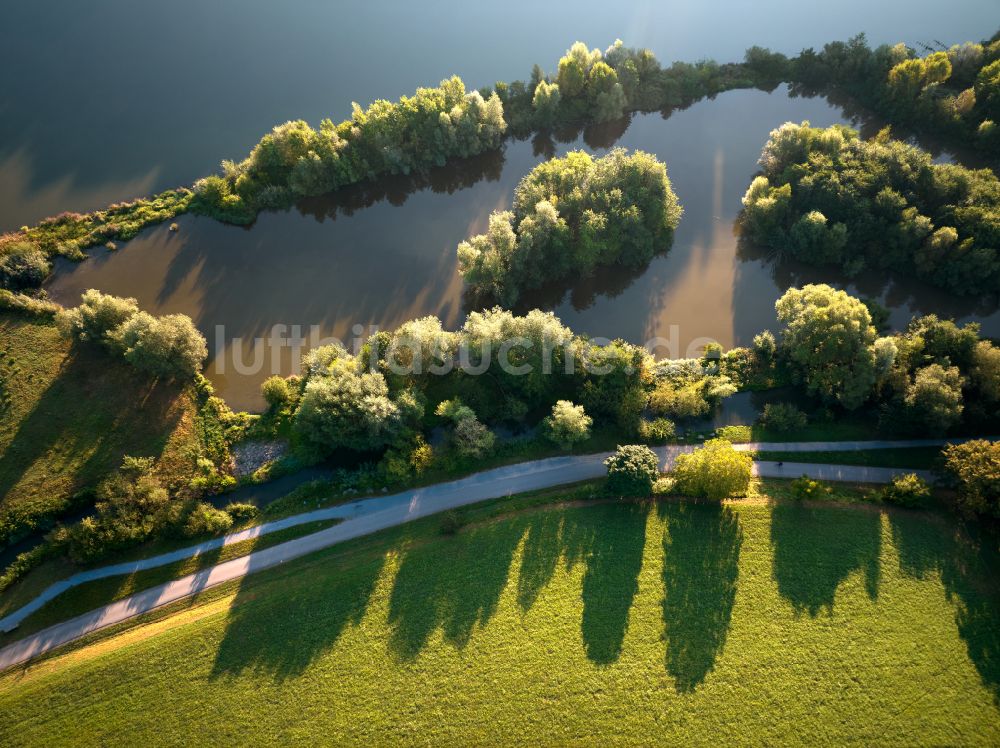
{"x":86,"y":597}
{"x":68,"y":417}
{"x":671,"y":621}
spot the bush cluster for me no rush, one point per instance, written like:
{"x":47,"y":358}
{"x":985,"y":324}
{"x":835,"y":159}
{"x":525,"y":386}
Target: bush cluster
{"x":951,"y":93}
{"x":295,"y":160}
{"x":827,"y":197}
{"x":168,"y":346}
{"x":570,"y":216}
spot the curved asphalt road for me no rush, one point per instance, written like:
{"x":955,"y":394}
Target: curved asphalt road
{"x":369,"y":515}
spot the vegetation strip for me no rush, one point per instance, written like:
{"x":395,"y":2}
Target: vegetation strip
{"x":379,"y":514}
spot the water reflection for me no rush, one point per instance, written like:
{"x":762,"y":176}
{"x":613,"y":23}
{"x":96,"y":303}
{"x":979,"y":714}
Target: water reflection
{"x":385,"y":252}
{"x":23,"y":201}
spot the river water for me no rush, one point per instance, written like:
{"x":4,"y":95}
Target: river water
{"x":99,"y":103}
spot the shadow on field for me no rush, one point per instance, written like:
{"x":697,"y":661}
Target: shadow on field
{"x":452,"y":585}
{"x":701,"y":555}
{"x":455,"y":585}
{"x":282,"y":634}
{"x":89,"y":416}
{"x":817,"y":548}
{"x":966,"y":558}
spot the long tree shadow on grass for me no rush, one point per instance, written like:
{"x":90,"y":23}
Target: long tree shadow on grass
{"x":452,"y":585}
{"x":281,"y":627}
{"x":701,"y":554}
{"x":94,"y":412}
{"x":614,"y":560}
{"x":817,"y":548}
{"x":967,"y":558}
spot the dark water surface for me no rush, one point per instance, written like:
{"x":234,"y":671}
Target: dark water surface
{"x":104,"y":102}
{"x":110,"y":99}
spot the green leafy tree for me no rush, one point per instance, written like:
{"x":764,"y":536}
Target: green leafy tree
{"x":632,"y":470}
{"x":828,"y":338}
{"x":168,"y":346}
{"x":974,"y":469}
{"x":935,"y":397}
{"x":714,"y":471}
{"x":344,"y":406}
{"x":568,"y":424}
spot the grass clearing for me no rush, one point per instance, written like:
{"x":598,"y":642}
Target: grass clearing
{"x":671,"y":621}
{"x":68,"y":418}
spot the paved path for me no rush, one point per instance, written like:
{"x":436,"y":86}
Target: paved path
{"x":369,"y":515}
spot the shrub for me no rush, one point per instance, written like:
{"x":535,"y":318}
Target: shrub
{"x":681,"y":402}
{"x":782,"y":417}
{"x":472,"y":438}
{"x":130,"y":508}
{"x":205,"y":519}
{"x":657,"y":431}
{"x":906,"y":490}
{"x":764,"y":348}
{"x":421,"y":455}
{"x":568,"y":424}
{"x":632,"y":470}
{"x":807,"y":488}
{"x":168,"y":346}
{"x":735,"y":434}
{"x":974,"y":470}
{"x":35,"y":307}
{"x":22,"y":265}
{"x":276,"y":392}
{"x":241,"y":511}
{"x":714,"y":471}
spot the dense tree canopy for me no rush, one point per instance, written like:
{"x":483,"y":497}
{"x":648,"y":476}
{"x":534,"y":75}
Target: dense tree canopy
{"x":954,"y":93}
{"x":828,"y":197}
{"x":168,"y":346}
{"x":413,"y":134}
{"x":570,"y":216}
{"x":828,"y":339}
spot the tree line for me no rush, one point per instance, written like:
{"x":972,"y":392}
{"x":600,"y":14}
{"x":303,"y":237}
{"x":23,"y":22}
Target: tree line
{"x":828,"y":197}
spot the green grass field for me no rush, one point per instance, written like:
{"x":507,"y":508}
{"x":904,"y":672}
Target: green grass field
{"x":68,"y":417}
{"x":676,"y":622}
